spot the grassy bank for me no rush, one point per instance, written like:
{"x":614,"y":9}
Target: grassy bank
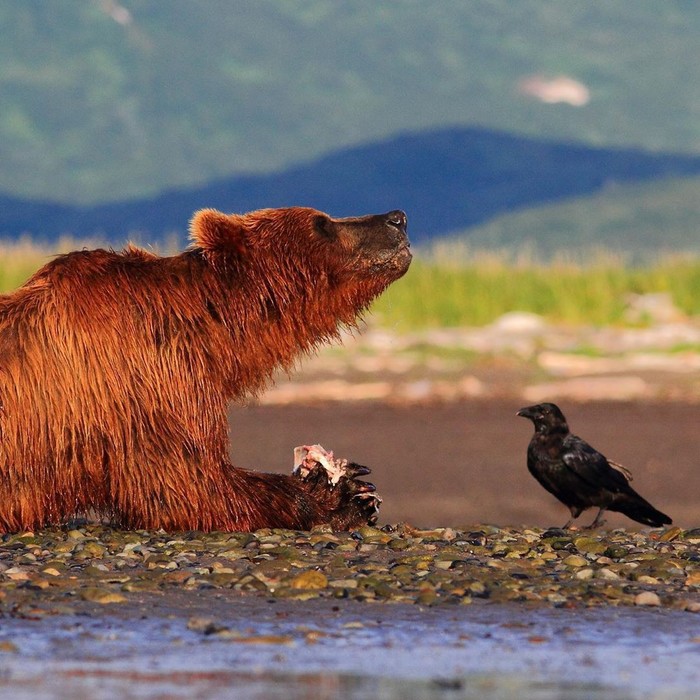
{"x":475,"y":290}
{"x":458,"y":287}
{"x":19,"y":260}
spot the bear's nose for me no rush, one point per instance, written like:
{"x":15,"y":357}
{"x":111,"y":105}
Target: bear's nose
{"x":398,"y":219}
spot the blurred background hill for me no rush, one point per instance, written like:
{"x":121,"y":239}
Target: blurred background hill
{"x":508,"y":123}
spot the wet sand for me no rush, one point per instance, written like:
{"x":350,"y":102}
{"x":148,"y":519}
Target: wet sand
{"x":456,"y":464}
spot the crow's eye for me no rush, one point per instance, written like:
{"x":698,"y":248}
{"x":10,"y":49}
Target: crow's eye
{"x":325,"y":228}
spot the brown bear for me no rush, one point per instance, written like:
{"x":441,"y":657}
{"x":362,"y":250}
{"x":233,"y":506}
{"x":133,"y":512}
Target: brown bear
{"x":116,"y":370}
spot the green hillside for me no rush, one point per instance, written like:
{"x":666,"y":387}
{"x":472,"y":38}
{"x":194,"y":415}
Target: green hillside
{"x":634,"y":222}
{"x":107,"y":99}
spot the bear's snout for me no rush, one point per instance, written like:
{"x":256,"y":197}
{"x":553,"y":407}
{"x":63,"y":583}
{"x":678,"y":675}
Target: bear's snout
{"x":397,"y":219}
{"x":385,"y":243}
{"x":396,"y":242}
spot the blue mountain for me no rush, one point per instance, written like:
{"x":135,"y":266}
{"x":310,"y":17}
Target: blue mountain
{"x":446,"y":180}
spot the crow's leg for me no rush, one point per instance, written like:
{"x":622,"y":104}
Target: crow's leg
{"x":598,"y":520}
{"x":575,"y":512}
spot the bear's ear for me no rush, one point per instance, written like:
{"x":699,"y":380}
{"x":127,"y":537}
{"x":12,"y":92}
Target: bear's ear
{"x":212,"y":230}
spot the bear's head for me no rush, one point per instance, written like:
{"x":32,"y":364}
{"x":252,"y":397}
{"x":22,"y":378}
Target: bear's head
{"x":361,"y":255}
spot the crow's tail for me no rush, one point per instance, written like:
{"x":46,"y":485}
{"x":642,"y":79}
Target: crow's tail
{"x":635,"y":507}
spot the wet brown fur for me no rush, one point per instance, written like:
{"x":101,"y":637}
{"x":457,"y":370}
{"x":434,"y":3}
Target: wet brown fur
{"x":116,"y":370}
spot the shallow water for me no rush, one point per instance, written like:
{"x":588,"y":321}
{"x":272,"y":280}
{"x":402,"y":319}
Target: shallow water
{"x":256,"y":649}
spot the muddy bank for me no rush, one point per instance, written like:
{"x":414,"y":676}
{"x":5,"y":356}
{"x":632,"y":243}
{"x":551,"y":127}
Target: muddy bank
{"x":459,"y":463}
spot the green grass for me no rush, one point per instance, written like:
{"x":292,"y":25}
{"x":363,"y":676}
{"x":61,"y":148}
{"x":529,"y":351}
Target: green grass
{"x":437,"y":293}
{"x":19,"y":260}
{"x":459,"y":287}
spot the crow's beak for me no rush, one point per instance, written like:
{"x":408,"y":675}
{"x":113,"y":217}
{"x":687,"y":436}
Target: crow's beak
{"x":526,"y":412}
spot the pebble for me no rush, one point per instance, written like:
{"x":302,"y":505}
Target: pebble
{"x":647,"y":598}
{"x":310,"y":580}
{"x":693,"y":579}
{"x":98,"y":595}
{"x":575,"y":561}
{"x":607,"y":574}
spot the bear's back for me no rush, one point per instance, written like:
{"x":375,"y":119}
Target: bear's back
{"x":84,"y":272}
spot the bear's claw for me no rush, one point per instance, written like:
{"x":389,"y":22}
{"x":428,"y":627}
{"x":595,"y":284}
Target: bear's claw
{"x":350,"y":502}
{"x":352,"y":471}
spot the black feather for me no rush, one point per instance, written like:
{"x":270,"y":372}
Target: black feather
{"x":577,"y":474}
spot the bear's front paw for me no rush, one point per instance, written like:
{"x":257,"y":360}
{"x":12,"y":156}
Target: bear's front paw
{"x":348,"y":502}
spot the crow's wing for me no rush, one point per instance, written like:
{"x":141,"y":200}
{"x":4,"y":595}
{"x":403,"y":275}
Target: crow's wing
{"x":621,"y":468}
{"x":591,"y":466}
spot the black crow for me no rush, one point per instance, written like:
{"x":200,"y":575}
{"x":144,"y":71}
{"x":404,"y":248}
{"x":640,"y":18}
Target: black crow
{"x":578,"y":475}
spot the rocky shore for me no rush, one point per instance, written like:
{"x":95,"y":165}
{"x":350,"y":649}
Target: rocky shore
{"x":65,"y":571}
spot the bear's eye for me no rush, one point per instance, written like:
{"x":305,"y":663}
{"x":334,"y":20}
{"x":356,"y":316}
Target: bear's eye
{"x":325,"y":228}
